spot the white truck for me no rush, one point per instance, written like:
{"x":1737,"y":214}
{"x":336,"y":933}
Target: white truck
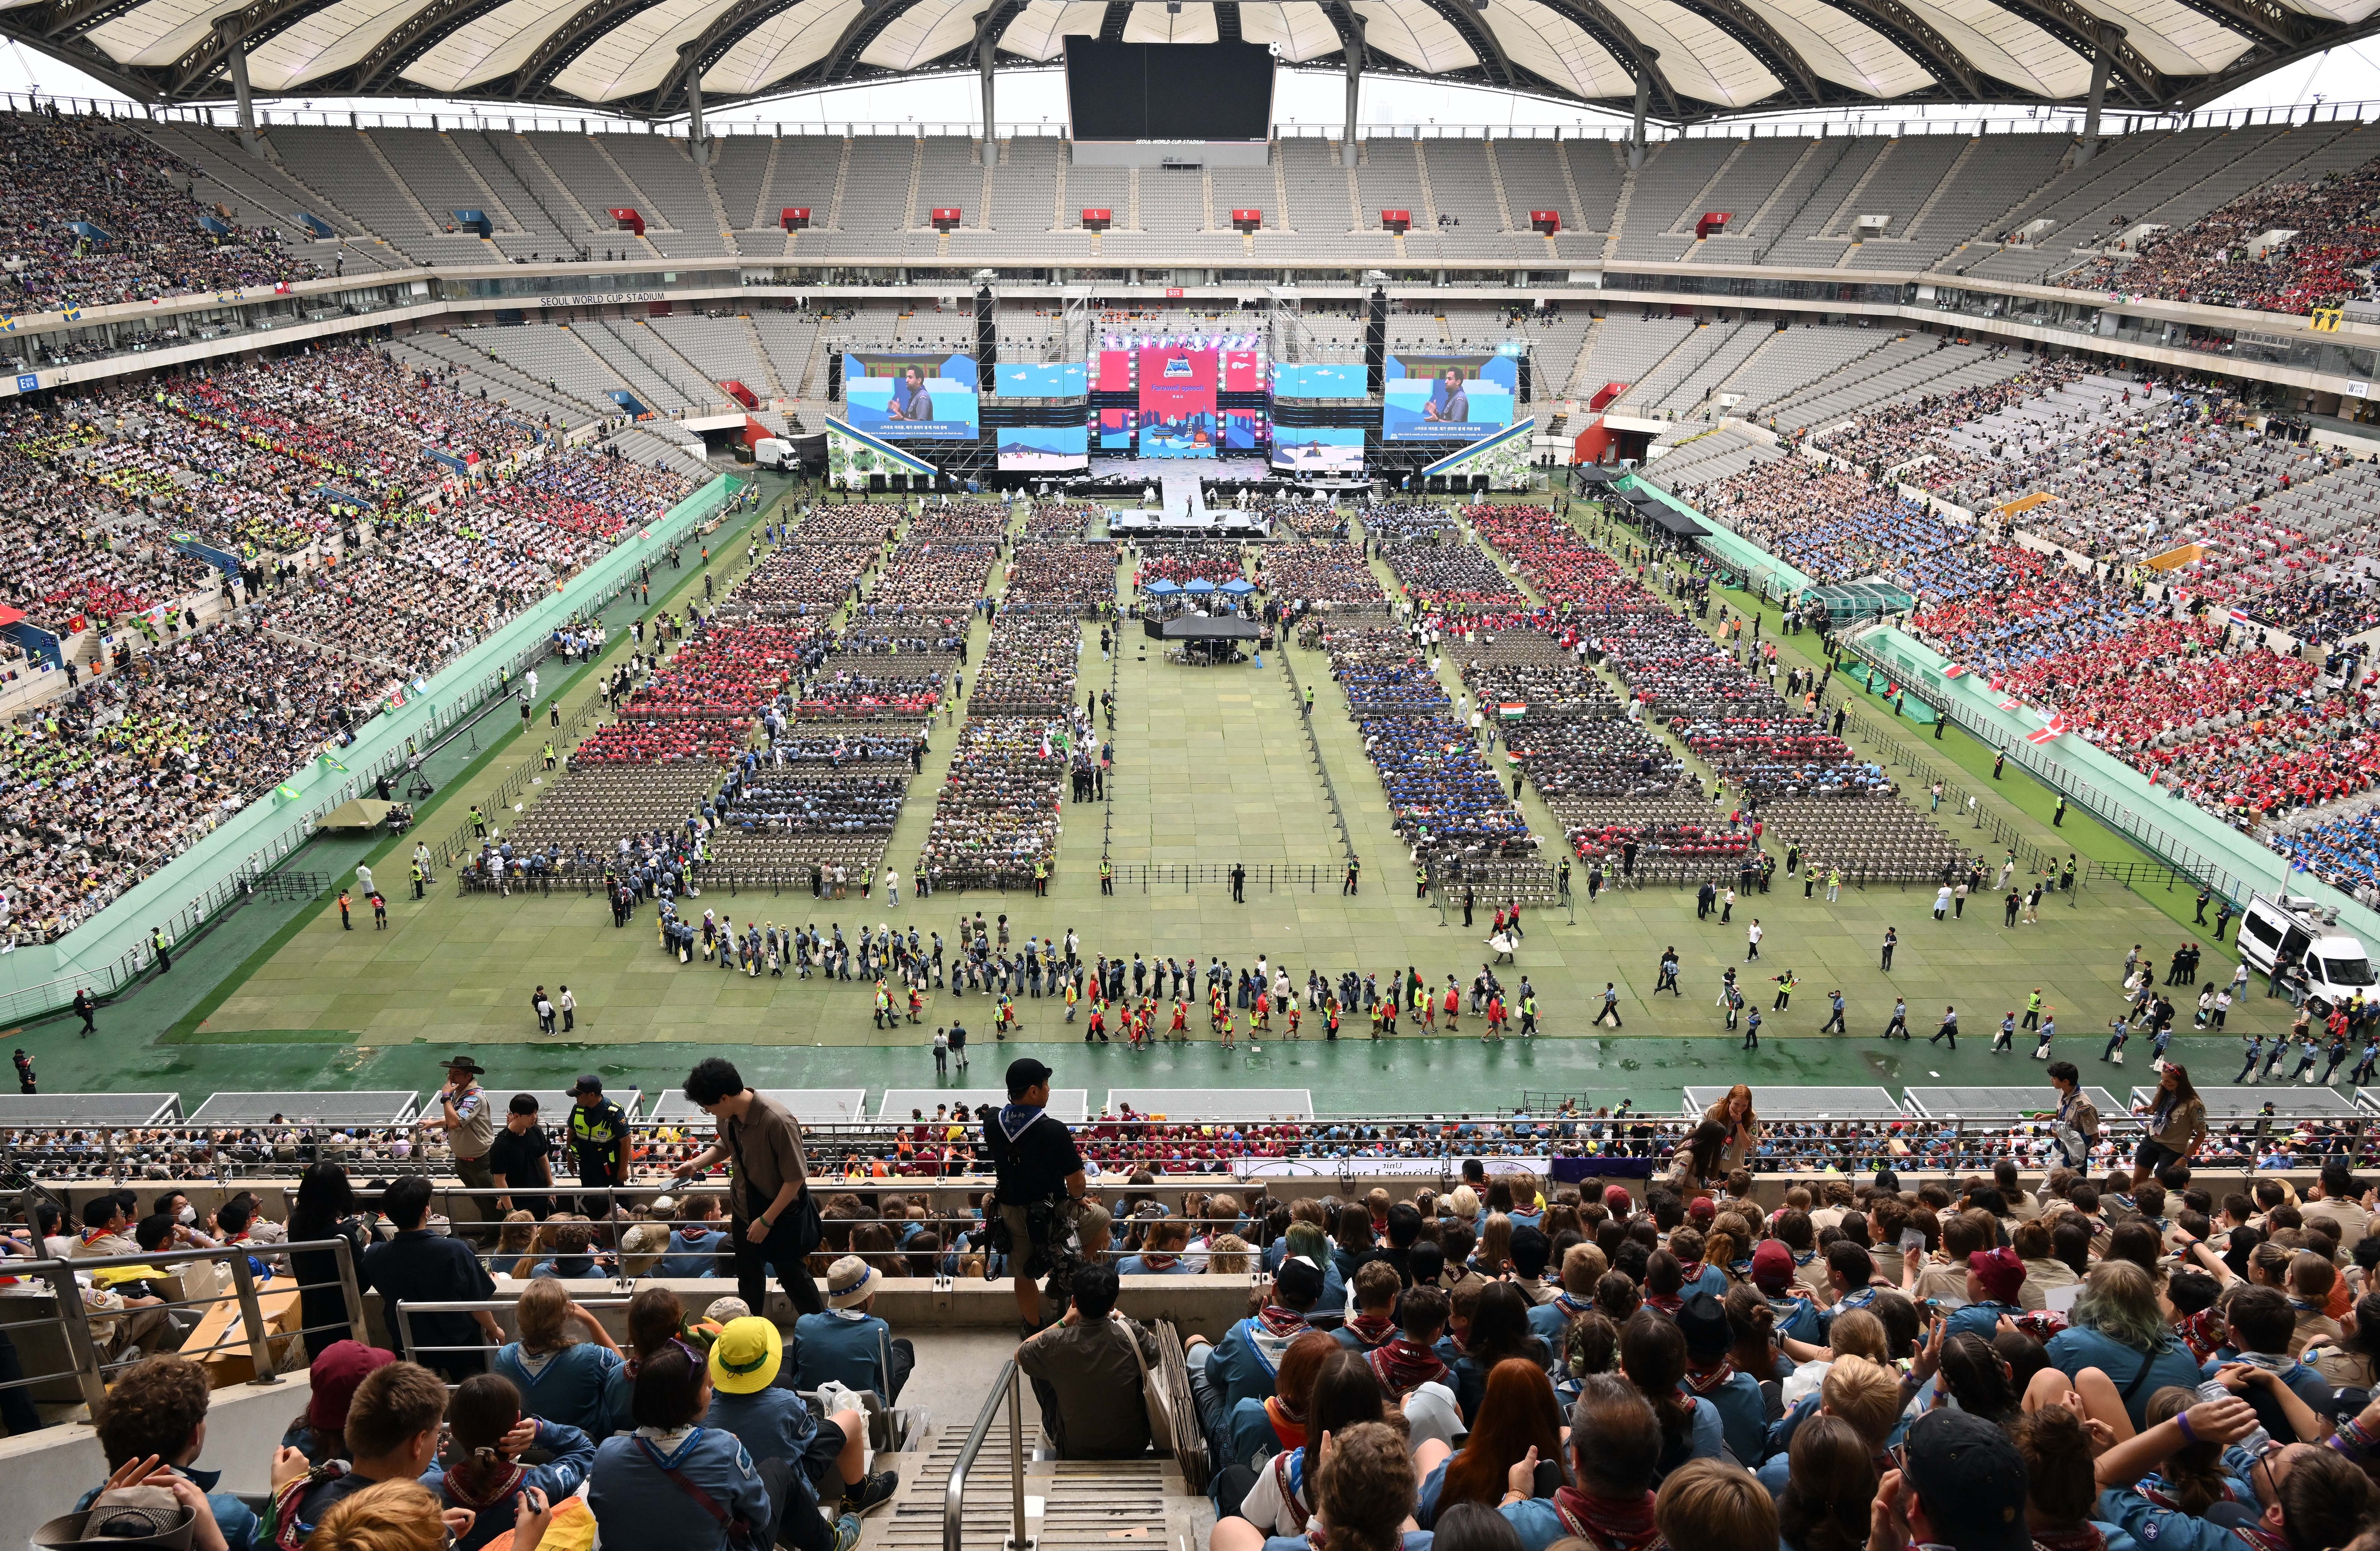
{"x":775,"y":452}
{"x":2284,"y":928}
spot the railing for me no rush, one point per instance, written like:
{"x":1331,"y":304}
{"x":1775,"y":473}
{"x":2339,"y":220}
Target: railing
{"x":72,"y":1320}
{"x":1883,"y":119}
{"x":1314,"y":746}
{"x":1542,"y":1135}
{"x":1273,"y":877}
{"x":1008,"y":1387}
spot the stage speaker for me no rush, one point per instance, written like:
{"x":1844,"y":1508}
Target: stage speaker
{"x":1434,"y":484}
{"x":877,"y":485}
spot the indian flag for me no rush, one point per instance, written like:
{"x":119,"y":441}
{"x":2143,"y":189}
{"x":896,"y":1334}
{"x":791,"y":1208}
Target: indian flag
{"x":1512,"y":756}
{"x":1512,"y":709}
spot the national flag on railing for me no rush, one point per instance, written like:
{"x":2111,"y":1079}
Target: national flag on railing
{"x":1957,"y":670}
{"x":2241,"y":620}
{"x":1993,"y":682}
{"x":1512,"y":709}
{"x":2011,"y":703}
{"x":2052,"y":733}
{"x":284,"y":789}
{"x":72,"y":314}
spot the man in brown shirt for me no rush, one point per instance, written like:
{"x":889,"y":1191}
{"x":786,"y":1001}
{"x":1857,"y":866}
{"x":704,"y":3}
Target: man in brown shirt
{"x":1086,"y":1377}
{"x":765,"y":1144}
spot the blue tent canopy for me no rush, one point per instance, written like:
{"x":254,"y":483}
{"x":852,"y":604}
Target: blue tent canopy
{"x":1199,"y":584}
{"x":1239,"y":584}
{"x":1160,"y":587}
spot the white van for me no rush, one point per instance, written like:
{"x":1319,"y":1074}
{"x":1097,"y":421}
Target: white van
{"x":2284,"y":927}
{"x":773,"y":452}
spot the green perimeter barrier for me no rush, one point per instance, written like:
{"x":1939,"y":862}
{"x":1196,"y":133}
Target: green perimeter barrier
{"x":2155,"y":818}
{"x":1770,"y":577}
{"x":112,"y":948}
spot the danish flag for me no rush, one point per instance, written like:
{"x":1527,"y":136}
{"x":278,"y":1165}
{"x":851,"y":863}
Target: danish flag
{"x":2052,"y":733}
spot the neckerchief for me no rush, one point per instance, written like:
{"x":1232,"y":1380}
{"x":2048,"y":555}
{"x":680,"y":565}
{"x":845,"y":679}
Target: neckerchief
{"x":1015,"y":1117}
{"x":500,"y":1488}
{"x":1269,"y":1330}
{"x":1713,"y":1381}
{"x":2085,"y":1538}
{"x":1691,"y":1271}
{"x":1289,"y":1479}
{"x":1288,"y":1429}
{"x":2260,"y":1539}
{"x":1403,"y":1364}
{"x":2202,"y":1333}
{"x":1373,"y":1329}
{"x":1610,"y":1523}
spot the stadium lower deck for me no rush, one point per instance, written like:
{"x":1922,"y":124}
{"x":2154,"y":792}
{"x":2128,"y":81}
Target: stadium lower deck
{"x":1210,"y":768}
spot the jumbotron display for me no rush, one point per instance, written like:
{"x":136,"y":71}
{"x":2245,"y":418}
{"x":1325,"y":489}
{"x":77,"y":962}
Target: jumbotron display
{"x":1176,"y":382}
{"x":910,"y":397}
{"x":1459,"y":398}
{"x":1169,"y":91}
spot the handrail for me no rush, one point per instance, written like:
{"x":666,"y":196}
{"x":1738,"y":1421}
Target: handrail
{"x":74,"y":1319}
{"x":1008,"y":1386}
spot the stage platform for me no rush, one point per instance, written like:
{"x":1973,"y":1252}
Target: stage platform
{"x":1070,"y":1105}
{"x":1953,"y":1104}
{"x":1221,"y":1105}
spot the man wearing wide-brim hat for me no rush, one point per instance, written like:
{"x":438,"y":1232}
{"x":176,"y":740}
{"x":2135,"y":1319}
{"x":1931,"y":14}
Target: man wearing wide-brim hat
{"x":847,"y":1344}
{"x":470,"y":1127}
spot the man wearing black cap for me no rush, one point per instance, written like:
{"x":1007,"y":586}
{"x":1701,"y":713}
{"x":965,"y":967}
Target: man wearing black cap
{"x":1961,"y":1485}
{"x":1040,"y":1175}
{"x":598,"y":1143}
{"x":1710,"y":1375}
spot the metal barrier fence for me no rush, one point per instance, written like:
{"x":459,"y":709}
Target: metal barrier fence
{"x":844,"y":1157}
{"x":70,"y":1321}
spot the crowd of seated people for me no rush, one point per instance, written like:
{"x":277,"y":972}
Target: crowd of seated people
{"x":1444,"y":798}
{"x":1182,"y":564}
{"x":807,"y":577}
{"x":935,"y":576}
{"x":1028,"y":667}
{"x":1056,"y":577}
{"x":2210,"y":261}
{"x":1320,"y":574}
{"x":1058,"y":522}
{"x":1514,"y":1366}
{"x":1552,"y":557}
{"x":1383,"y":669}
{"x":1448,"y":574}
{"x":59,"y":171}
{"x":2141,"y":663}
{"x":997,"y":816}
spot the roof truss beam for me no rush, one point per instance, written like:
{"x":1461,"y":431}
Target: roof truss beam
{"x":1917,"y":38}
{"x":2087,"y":35}
{"x":570,"y":40}
{"x":1747,"y":28}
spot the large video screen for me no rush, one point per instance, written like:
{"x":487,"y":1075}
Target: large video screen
{"x":1051,"y":380}
{"x":1042,"y":449}
{"x":906,"y":395}
{"x":1448,"y":398}
{"x":1319,"y":449}
{"x":1178,"y":91}
{"x":1319,"y":379}
{"x":1175,"y":381}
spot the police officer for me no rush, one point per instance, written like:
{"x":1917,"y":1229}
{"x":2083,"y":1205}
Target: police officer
{"x":598,"y":1143}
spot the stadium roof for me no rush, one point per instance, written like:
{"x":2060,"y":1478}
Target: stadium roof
{"x":1700,"y":58}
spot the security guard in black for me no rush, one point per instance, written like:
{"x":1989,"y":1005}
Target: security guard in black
{"x":598,"y":1139}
